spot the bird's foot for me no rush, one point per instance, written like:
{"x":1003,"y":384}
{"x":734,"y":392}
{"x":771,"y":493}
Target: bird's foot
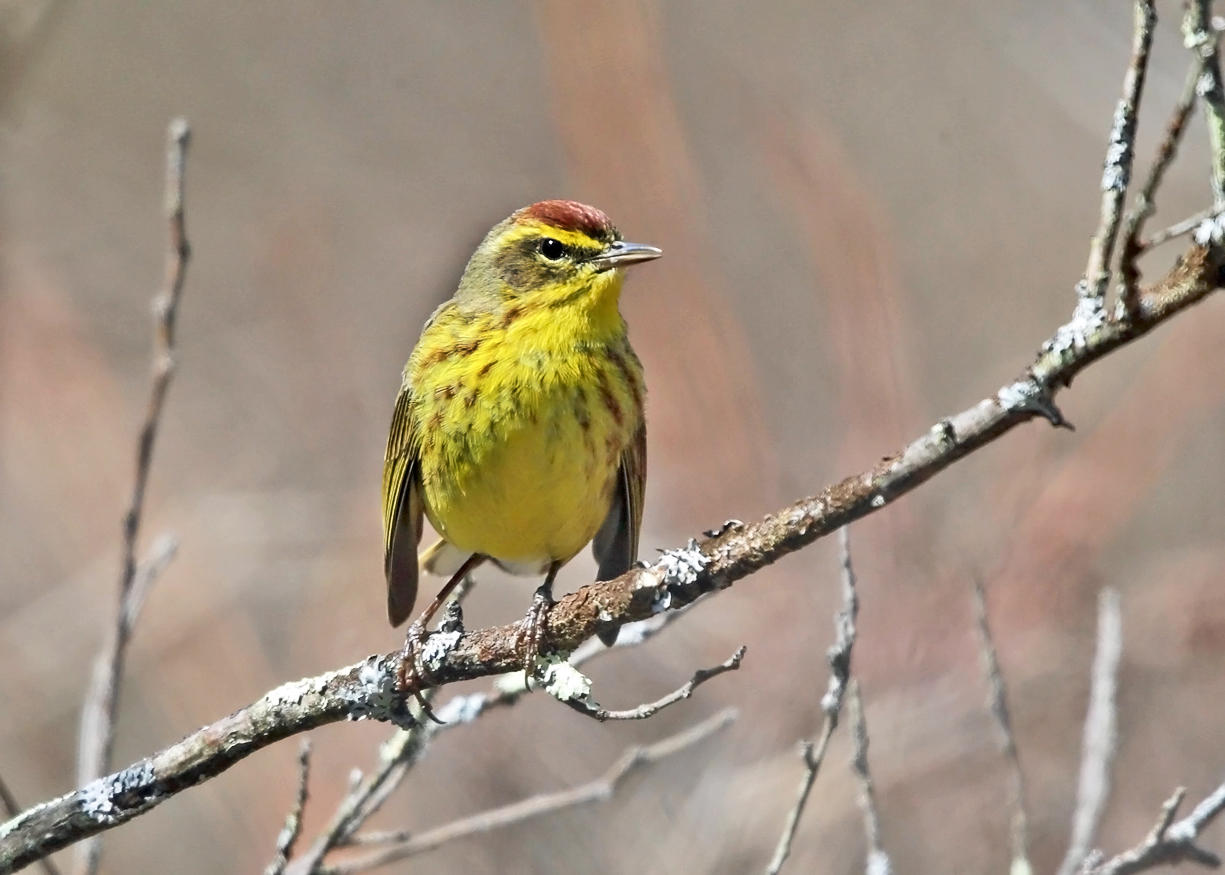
{"x":535,"y":624}
{"x":412,"y":674}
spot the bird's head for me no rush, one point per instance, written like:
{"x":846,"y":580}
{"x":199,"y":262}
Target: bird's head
{"x":553,"y":252}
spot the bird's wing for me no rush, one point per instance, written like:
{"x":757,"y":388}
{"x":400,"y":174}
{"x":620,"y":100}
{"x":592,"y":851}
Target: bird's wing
{"x":402,"y":512}
{"x":616,"y":543}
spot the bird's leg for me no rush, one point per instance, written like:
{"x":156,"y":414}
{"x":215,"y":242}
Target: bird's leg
{"x":536,"y":620}
{"x":411,"y":670}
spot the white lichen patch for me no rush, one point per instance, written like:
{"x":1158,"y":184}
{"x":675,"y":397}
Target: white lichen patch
{"x":1018,"y":395}
{"x":877,"y":501}
{"x":1114,"y":174}
{"x":98,"y":798}
{"x":375,"y":695}
{"x":1210,"y":231}
{"x":437,"y":647}
{"x":566,"y":683}
{"x":682,"y":567}
{"x":1088,"y":317}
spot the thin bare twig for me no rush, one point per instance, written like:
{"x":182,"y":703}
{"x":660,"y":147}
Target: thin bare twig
{"x":1178,"y":229}
{"x":11,"y":808}
{"x":878,"y":860}
{"x":293,"y":821}
{"x":402,"y":844}
{"x":102,"y":698}
{"x":590,"y":709}
{"x":1146,"y":201}
{"x":1101,"y":732}
{"x":1201,"y":38}
{"x":1120,"y":151}
{"x":839,"y":658}
{"x":1168,"y":842}
{"x":997,"y":701}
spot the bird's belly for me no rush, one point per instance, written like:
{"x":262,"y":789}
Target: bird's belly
{"x":536,"y":493}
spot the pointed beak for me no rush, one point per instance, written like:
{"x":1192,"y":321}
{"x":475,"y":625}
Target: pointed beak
{"x":620,"y":254}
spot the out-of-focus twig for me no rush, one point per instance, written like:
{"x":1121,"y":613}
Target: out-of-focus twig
{"x":293,"y":820}
{"x":402,"y":844}
{"x":102,"y":698}
{"x":839,"y":658}
{"x":878,"y":860}
{"x":1120,"y":152}
{"x":1168,"y":842}
{"x":1101,"y":732}
{"x":586,"y":707}
{"x":997,"y":701}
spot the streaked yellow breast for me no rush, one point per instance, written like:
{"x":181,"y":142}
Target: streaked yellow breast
{"x":523,"y":415}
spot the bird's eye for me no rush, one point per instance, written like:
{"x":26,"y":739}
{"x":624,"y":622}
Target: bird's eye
{"x":553,"y":250}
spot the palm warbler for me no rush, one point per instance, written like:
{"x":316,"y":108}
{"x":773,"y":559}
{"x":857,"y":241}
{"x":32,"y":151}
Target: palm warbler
{"x":518,"y":430}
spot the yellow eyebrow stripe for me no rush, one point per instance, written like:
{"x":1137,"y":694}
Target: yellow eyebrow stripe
{"x":573,"y":239}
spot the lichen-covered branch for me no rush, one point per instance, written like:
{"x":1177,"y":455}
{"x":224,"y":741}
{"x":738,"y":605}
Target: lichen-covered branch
{"x":368,"y":689}
{"x":1120,"y":152}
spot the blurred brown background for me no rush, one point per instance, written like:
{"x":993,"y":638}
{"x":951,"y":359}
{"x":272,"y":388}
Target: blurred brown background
{"x":872,"y":214}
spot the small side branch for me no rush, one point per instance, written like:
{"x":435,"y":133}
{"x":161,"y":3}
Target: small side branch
{"x":588,"y":708}
{"x":839,"y":659}
{"x":293,"y":821}
{"x":1101,"y":733}
{"x":1146,"y":201}
{"x":102,"y":699}
{"x":997,"y":701}
{"x":878,"y":860}
{"x":1168,"y":842}
{"x":401,"y":845}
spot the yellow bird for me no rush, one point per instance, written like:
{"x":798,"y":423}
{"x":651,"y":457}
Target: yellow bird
{"x":518,"y":430}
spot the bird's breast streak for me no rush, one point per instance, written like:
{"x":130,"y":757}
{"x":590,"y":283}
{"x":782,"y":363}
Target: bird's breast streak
{"x":529,"y":478}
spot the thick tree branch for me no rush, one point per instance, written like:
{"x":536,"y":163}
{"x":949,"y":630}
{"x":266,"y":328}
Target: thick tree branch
{"x":368,"y":689}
